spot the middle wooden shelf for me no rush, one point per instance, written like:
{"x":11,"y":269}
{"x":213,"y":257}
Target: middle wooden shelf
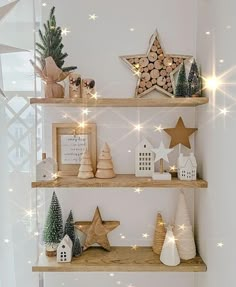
{"x":121,"y":180}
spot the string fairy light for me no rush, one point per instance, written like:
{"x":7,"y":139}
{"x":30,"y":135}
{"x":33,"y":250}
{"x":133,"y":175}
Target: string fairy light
{"x":145,"y":235}
{"x":158,"y":128}
{"x":6,"y":240}
{"x":93,"y":17}
{"x":65,"y":31}
{"x":85,"y":111}
{"x":134,"y":247}
{"x":138,"y":127}
{"x":138,"y":190}
{"x":220,"y":244}
{"x":224,"y":111}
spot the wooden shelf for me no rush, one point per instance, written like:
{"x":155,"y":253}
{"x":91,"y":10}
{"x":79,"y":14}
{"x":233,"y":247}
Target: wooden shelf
{"x":121,"y":180}
{"x":123,"y":102}
{"x":119,"y":259}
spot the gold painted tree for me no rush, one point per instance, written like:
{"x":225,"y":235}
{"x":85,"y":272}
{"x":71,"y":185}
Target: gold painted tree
{"x":105,"y":164}
{"x":86,"y":169}
{"x":159,"y":235}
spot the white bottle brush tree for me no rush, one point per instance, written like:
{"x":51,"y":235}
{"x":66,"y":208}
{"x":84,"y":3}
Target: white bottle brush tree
{"x":105,"y":164}
{"x":183,"y":230}
{"x":53,"y":229}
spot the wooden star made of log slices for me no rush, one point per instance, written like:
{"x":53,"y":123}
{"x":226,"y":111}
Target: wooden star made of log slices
{"x":96,"y":230}
{"x":155,"y":70}
{"x":180,"y":134}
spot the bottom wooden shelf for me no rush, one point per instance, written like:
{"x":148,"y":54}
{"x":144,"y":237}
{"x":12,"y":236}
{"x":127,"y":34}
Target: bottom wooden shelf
{"x":119,"y":259}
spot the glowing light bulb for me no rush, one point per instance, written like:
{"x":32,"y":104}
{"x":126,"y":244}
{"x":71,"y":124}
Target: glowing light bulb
{"x":138,"y":190}
{"x":29,"y":213}
{"x":82,"y":125}
{"x":129,"y":150}
{"x":94,"y":96}
{"x":221,"y":61}
{"x":138,"y":127}
{"x":134,"y":247}
{"x":220,"y":244}
{"x":65,"y":31}
{"x":36,"y":233}
{"x":123,"y":237}
{"x":112,"y":274}
{"x":158,"y":128}
{"x":131,"y":29}
{"x":85,"y":111}
{"x":44,"y":4}
{"x":182,"y":227}
{"x":171,"y":239}
{"x":6,"y":240}
{"x":54,"y":175}
{"x":10,"y":189}
{"x":145,"y":235}
{"x":93,"y":17}
{"x":29,"y":262}
{"x":173,"y":168}
{"x":208,"y":33}
{"x":65,"y":116}
{"x":224,"y":111}
{"x":212,"y":83}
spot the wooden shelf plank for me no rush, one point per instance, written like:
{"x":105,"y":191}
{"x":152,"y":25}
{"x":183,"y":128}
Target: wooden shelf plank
{"x":121,"y":180}
{"x":123,"y":102}
{"x":119,"y":259}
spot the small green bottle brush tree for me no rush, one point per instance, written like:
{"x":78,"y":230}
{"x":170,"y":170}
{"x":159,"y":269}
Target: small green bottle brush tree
{"x":51,"y":44}
{"x":53,"y":229}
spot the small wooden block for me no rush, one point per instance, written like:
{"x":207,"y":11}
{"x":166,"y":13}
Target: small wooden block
{"x":146,"y":77}
{"x":143,"y":62}
{"x":152,"y":57}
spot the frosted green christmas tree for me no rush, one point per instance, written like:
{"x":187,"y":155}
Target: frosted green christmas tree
{"x":69,"y":227}
{"x":181,"y":89}
{"x":53,"y":229}
{"x":194,"y":80}
{"x":77,"y":249}
{"x":51,"y":44}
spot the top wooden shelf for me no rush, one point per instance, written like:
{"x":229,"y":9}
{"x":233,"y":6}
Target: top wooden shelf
{"x":122,"y":102}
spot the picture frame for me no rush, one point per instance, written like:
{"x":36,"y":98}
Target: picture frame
{"x":69,"y":140}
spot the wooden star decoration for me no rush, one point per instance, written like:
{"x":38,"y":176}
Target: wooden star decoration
{"x":96,"y":230}
{"x":161,"y":152}
{"x":180,"y":134}
{"x":155,"y":69}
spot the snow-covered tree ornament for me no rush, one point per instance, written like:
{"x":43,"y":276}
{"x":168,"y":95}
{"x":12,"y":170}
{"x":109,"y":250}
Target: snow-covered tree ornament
{"x":69,"y":227}
{"x":194,"y":80}
{"x":169,"y":253}
{"x":181,"y":89}
{"x":77,"y":248}
{"x":53,"y":229}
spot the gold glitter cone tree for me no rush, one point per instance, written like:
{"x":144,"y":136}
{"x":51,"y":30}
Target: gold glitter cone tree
{"x":159,"y":235}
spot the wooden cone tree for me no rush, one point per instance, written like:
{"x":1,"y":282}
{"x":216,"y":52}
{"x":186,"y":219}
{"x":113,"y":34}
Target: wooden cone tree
{"x":159,"y":235}
{"x":105,"y":165}
{"x":169,"y":254}
{"x":183,"y":230}
{"x":86,"y":169}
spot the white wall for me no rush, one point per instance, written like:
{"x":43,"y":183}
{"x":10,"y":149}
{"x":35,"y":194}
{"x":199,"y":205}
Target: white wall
{"x":95,"y":47}
{"x":215,"y":208}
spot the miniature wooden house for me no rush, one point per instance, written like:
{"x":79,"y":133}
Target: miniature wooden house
{"x":144,"y":159}
{"x":64,"y":250}
{"x":187,"y":167}
{"x":46,"y":169}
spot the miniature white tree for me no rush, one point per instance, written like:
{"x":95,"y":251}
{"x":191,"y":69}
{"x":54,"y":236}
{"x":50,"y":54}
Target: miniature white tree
{"x":105,"y":165}
{"x":86,"y":169}
{"x":183,"y":230}
{"x":169,"y":254}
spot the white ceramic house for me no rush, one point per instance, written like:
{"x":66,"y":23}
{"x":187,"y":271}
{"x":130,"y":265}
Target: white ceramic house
{"x":46,"y":169}
{"x":64,"y":250}
{"x":187,"y":167}
{"x":144,"y":159}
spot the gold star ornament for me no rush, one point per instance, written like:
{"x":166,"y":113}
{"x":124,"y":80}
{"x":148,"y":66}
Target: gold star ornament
{"x":96,"y":230}
{"x":155,"y":69}
{"x":180,"y":134}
